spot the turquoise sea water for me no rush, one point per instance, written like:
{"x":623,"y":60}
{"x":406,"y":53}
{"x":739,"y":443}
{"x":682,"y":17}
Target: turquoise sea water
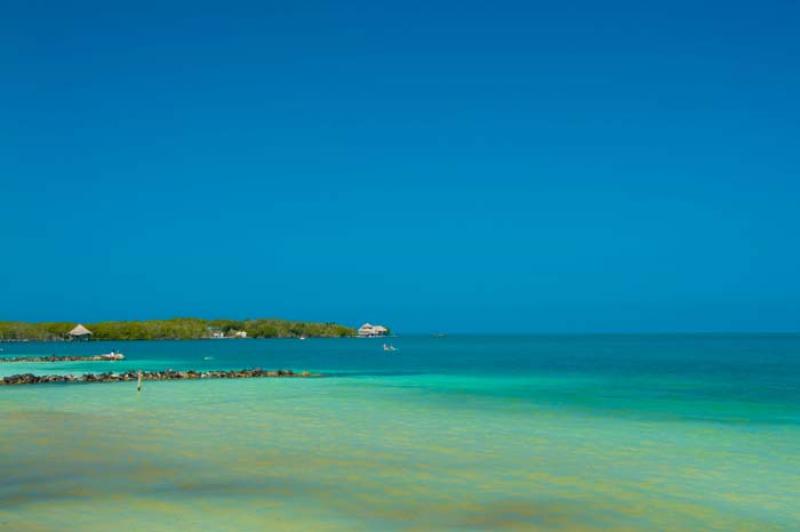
{"x":672,"y":432}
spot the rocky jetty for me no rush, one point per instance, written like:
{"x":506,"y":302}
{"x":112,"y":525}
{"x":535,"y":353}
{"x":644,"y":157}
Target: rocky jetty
{"x":166,"y":375}
{"x":66,"y":358}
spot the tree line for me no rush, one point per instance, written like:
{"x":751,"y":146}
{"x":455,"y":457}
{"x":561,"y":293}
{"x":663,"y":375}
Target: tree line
{"x":174,"y":329}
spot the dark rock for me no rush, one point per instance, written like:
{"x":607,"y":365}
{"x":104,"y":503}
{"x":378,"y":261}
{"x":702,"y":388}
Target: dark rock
{"x":29,"y":378}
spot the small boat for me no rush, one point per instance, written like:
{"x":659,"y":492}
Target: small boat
{"x":113,"y":355}
{"x":301,"y":337}
{"x":389,"y":347}
{"x":208,"y":358}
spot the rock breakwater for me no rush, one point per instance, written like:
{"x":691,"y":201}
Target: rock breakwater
{"x":166,"y":375}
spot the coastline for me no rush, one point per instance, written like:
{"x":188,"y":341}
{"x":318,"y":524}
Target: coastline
{"x":173,"y":328}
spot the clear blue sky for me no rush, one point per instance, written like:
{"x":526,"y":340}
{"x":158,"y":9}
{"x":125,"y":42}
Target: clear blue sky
{"x":455,"y":166}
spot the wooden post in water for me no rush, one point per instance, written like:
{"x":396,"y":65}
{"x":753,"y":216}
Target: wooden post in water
{"x":139,"y":381}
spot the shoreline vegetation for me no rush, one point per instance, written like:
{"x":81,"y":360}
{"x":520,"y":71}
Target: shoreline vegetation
{"x":166,"y":375}
{"x":176,"y":329}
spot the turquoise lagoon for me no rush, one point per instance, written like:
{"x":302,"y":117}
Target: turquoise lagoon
{"x":630,"y":432}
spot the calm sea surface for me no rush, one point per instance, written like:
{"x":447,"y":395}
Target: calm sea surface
{"x":672,"y":432}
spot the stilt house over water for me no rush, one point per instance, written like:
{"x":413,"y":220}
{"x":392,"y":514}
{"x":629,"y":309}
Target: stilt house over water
{"x":79,"y":333}
{"x":370,"y":331}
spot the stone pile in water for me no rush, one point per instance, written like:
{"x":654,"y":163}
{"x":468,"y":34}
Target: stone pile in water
{"x":165,"y":375}
{"x":66,"y":358}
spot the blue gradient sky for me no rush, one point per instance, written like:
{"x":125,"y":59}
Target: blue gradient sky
{"x":455,"y":166}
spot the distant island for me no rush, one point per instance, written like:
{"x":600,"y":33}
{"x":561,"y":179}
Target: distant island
{"x":171,"y":329}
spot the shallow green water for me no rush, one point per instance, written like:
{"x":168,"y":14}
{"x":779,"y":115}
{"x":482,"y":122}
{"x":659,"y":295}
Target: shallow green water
{"x":430,"y":439}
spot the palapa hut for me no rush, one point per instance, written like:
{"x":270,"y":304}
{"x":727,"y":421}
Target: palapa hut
{"x":79,"y":333}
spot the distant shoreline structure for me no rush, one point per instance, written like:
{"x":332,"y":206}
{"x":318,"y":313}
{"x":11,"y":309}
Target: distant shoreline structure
{"x":369,"y":330}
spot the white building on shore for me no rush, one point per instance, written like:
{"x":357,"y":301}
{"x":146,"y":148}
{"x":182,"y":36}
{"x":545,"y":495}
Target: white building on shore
{"x":371,"y":331}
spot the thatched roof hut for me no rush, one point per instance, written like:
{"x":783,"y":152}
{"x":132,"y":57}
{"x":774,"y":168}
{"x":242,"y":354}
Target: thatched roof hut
{"x":80,"y":333}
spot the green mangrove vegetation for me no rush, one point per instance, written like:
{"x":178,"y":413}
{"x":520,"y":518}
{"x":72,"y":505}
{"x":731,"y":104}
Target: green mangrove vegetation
{"x":175,"y":329}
